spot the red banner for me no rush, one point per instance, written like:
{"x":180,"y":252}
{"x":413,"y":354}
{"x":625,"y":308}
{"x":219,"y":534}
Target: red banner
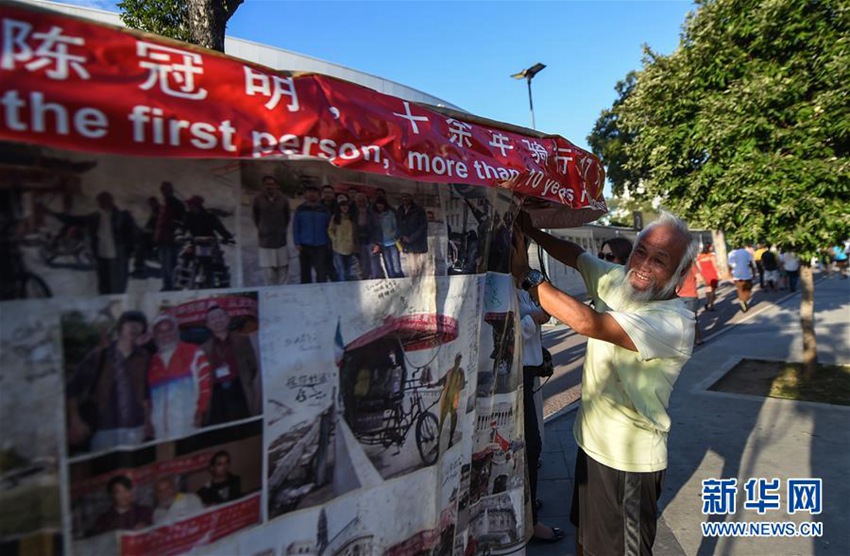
{"x":79,"y":85}
{"x":196,"y":531}
{"x":195,"y":312}
{"x":146,"y":474}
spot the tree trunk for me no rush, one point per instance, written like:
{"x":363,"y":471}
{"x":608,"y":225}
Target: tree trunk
{"x":719,"y":241}
{"x":208,"y":21}
{"x":807,"y":320}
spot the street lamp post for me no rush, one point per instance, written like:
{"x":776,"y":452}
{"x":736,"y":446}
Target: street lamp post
{"x":528,"y":74}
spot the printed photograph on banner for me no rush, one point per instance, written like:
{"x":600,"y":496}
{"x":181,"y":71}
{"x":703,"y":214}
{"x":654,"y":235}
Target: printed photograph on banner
{"x":470,"y":222}
{"x":498,"y":461}
{"x":168,"y":497}
{"x":384,"y":519}
{"x":86,"y":224}
{"x":496,"y":522}
{"x":158,"y":367}
{"x":452,"y":497}
{"x":369,"y":384}
{"x":501,"y":233}
{"x":31,"y":421}
{"x":307,"y":221}
{"x":498,"y":368}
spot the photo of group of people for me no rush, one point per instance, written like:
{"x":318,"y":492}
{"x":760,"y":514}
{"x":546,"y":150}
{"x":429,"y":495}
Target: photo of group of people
{"x":130,"y":501}
{"x":200,"y":398}
{"x":315,"y":224}
{"x":70,"y":225}
{"x":141,"y":378}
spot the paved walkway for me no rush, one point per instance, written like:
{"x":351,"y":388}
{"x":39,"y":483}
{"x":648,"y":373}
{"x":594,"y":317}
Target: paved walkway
{"x":718,"y":435}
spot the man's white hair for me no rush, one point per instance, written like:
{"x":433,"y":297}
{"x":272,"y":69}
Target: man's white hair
{"x":668,"y":219}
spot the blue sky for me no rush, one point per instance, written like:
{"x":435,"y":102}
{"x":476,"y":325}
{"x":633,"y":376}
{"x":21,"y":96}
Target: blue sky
{"x":465,"y":52}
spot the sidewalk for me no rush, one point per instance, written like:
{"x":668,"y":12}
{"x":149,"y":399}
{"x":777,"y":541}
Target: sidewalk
{"x":717,"y":435}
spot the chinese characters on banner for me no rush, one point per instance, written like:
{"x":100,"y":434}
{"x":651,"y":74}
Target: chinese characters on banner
{"x":66,"y":94}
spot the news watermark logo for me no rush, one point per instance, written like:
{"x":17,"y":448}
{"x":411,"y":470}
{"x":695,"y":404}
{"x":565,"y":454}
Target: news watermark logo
{"x":763,"y":496}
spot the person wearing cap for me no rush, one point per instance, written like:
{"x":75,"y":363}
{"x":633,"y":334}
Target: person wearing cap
{"x":270,"y":214}
{"x":108,"y":400}
{"x":343,"y":240}
{"x":179,"y":377}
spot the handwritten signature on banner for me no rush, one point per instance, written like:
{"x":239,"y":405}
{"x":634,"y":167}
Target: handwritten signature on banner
{"x":126,"y":92}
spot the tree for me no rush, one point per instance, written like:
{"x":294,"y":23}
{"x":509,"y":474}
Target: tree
{"x":609,"y":140}
{"x":746,"y":127}
{"x":162,"y":17}
{"x":201,"y":22}
{"x":208,"y":21}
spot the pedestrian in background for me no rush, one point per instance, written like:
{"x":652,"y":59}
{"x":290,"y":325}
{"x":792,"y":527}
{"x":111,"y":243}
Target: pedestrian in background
{"x":689,"y":294}
{"x":791,"y":265}
{"x":707,"y":267}
{"x":741,"y":269}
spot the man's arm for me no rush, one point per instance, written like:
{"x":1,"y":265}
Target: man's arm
{"x":580,"y":317}
{"x":565,"y":251}
{"x":567,"y":309}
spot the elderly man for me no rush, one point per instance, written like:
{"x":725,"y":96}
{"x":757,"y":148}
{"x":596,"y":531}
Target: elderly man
{"x":640,"y":335}
{"x":179,"y":378}
{"x":172,"y":505}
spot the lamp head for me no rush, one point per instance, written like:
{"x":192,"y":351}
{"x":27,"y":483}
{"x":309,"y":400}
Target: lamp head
{"x":529,"y":73}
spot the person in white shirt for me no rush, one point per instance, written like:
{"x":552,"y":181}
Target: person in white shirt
{"x":640,"y":335}
{"x":791,"y":266}
{"x":531,"y":317}
{"x":171,"y":505}
{"x":741,"y":268}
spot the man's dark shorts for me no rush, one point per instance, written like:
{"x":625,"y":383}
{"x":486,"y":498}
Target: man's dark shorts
{"x":615,"y":512}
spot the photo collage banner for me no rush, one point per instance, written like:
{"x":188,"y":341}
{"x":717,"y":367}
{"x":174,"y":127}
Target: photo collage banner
{"x":254,"y":358}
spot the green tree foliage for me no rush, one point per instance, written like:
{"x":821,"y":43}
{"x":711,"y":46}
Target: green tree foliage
{"x":201,"y":22}
{"x":746,"y":126}
{"x":609,"y":140}
{"x":162,"y":17}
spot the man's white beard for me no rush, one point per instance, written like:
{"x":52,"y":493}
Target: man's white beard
{"x":649,"y":294}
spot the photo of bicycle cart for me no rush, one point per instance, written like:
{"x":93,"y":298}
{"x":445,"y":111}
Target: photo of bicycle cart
{"x":384,"y":396}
